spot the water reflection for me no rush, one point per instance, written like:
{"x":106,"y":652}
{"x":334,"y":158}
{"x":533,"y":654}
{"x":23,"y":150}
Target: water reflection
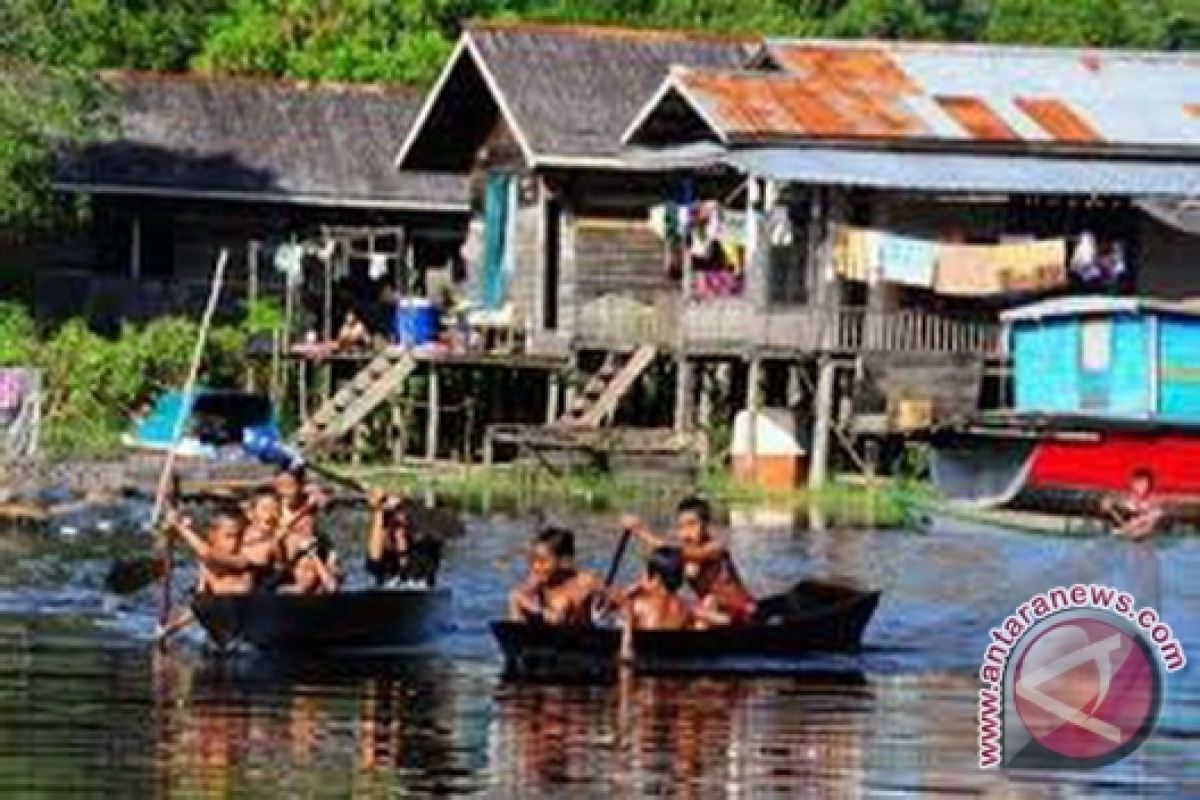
{"x":87,"y":708}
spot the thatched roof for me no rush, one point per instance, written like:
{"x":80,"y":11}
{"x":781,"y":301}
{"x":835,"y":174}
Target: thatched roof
{"x":259,"y":141}
{"x":568,"y":92}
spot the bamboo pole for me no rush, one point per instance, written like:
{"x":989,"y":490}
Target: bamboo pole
{"x":189,"y":388}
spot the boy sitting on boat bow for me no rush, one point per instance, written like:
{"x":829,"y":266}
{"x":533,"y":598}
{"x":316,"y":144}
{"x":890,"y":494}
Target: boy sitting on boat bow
{"x":555,"y":591}
{"x":1138,"y":514}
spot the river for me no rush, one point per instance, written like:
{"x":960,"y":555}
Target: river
{"x":88,"y":708}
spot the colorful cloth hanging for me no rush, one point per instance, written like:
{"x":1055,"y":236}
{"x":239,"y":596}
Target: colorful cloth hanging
{"x":492,"y":284}
{"x":966,"y":270}
{"x":907,"y":260}
{"x":1031,"y":266}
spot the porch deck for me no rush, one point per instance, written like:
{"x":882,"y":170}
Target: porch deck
{"x":734,"y":326}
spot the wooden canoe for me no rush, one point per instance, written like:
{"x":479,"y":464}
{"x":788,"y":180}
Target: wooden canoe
{"x":831,"y":625}
{"x":376,"y":619}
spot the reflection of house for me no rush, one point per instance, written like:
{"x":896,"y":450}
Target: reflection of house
{"x":196,"y":164}
{"x":976,"y":172}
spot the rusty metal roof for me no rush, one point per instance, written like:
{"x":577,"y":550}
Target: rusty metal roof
{"x":856,"y":90}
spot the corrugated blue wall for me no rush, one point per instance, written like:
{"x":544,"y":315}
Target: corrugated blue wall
{"x":1050,"y":377}
{"x":1129,"y":378}
{"x":1046,"y":366}
{"x":1179,"y":393}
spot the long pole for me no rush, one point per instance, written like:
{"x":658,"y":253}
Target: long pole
{"x":189,"y":388}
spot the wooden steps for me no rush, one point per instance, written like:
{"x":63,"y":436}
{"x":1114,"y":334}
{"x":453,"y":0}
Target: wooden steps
{"x":375,"y":383}
{"x":604,"y":390}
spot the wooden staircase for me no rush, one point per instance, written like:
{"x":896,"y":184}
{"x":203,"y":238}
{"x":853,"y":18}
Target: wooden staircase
{"x":603,"y":392}
{"x":374,"y":384}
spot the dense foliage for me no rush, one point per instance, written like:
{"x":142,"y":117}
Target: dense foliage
{"x":48,"y":47}
{"x":93,"y":384}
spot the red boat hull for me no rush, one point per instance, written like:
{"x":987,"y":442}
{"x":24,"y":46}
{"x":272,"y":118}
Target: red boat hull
{"x":1064,"y":465}
{"x":1106,"y":465}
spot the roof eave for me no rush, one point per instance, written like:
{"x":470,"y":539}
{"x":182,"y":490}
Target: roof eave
{"x":283,"y":198}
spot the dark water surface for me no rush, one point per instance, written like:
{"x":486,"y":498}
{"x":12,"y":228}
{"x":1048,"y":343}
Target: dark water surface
{"x":88,"y":708}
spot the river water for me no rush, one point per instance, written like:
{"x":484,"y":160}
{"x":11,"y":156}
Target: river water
{"x":88,"y":708}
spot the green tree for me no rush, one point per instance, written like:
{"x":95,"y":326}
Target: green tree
{"x":884,"y":19}
{"x":1095,"y":23}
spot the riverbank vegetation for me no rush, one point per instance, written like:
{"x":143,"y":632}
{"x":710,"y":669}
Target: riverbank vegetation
{"x":93,"y":384}
{"x":523,"y":488}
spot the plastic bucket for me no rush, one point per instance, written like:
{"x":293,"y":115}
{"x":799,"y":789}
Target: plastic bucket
{"x":416,"y":322}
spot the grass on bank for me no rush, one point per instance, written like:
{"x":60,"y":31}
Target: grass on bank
{"x":519,"y":487}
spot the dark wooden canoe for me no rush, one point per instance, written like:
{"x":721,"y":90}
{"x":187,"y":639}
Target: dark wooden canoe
{"x":376,"y":619}
{"x":833,"y":622}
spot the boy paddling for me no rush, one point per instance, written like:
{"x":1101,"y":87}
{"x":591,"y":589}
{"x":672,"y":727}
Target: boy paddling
{"x":708,"y":567}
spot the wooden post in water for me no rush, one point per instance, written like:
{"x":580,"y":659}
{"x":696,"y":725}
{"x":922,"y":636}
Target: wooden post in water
{"x":434,"y":420}
{"x":818,"y":468}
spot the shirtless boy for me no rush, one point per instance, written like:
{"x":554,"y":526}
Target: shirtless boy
{"x":708,"y":567}
{"x":223,"y":567}
{"x":555,"y":591}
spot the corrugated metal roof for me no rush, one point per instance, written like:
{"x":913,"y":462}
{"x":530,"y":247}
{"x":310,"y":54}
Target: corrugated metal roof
{"x":961,"y":172}
{"x":968,"y":93}
{"x":1092,"y":305}
{"x":249,"y":138}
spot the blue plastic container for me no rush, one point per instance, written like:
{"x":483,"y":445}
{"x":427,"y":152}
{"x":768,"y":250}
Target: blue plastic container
{"x":416,"y":321}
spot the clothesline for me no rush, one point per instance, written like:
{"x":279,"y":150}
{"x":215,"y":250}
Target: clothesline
{"x":1019,"y":265}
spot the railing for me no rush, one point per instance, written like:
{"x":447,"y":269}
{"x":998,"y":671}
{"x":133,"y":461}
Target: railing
{"x":618,"y":321}
{"x":732,"y":325}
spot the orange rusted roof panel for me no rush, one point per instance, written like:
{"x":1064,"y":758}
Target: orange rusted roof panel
{"x":1058,"y":119}
{"x":977,"y":118}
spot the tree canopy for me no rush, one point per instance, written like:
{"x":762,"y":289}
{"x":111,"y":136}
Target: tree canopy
{"x":49,"y":47}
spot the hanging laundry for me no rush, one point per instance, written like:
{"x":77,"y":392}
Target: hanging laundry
{"x":1083,"y":260}
{"x":12,"y":394}
{"x":966,"y":270}
{"x":907,"y":260}
{"x":706,"y":231}
{"x":657,"y":221}
{"x":779,"y":227}
{"x":1031,"y":266}
{"x":856,"y":254}
{"x":733,"y":239}
{"x":377,"y":266}
{"x":289,"y":260}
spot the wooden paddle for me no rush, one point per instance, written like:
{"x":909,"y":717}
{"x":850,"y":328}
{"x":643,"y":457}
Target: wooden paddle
{"x":615,"y":565}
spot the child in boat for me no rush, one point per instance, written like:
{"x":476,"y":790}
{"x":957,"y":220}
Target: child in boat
{"x":395,"y":553}
{"x":1138,"y":514}
{"x":299,"y":506}
{"x":722,"y":597}
{"x":555,"y":592}
{"x":310,"y":575}
{"x":654,"y":602}
{"x":223,"y":567}
{"x":260,"y":539}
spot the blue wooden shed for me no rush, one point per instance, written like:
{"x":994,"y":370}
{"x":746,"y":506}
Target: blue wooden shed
{"x":1119,"y":357}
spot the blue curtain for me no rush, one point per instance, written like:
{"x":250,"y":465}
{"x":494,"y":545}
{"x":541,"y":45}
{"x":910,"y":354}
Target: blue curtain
{"x":495,"y":222}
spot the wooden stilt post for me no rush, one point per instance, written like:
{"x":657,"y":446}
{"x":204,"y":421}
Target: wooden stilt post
{"x":251,"y":299}
{"x":434,"y":419}
{"x":704,"y":407}
{"x":818,"y":468}
{"x":552,"y":392}
{"x":396,"y":434}
{"x":684,"y":393}
{"x":754,"y":406}
{"x":326,"y":388}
